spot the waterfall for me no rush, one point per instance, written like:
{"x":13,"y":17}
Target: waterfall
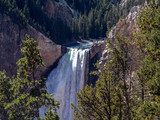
{"x":67,"y":79}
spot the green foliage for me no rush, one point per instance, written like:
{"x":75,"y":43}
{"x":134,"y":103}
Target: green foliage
{"x":5,"y":92}
{"x":149,"y":110}
{"x":84,"y":6}
{"x":99,"y":102}
{"x":148,"y":73}
{"x":148,"y":23}
{"x":32,"y":58}
{"x":111,"y":97}
{"x":10,"y":8}
{"x":114,"y":95}
{"x":32,"y":12}
{"x":49,"y":115}
{"x":94,"y":19}
{"x":98,"y":16}
{"x":25,"y":94}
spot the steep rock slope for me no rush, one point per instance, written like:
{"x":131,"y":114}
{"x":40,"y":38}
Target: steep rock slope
{"x":11,"y":37}
{"x":59,"y":10}
{"x":125,"y":27}
{"x":95,"y":54}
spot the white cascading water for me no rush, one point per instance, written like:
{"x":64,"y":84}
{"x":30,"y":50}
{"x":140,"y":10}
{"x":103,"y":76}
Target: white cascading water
{"x":67,"y":79}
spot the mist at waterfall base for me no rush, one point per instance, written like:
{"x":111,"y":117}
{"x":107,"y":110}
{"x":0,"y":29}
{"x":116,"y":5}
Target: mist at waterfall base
{"x":67,"y":79}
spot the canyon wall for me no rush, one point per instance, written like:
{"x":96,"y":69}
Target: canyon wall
{"x":59,"y":10}
{"x":11,"y":37}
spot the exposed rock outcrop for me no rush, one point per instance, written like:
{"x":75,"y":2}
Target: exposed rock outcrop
{"x":59,"y":10}
{"x":95,"y":55}
{"x":97,"y":48}
{"x":125,"y":26}
{"x":11,"y":37}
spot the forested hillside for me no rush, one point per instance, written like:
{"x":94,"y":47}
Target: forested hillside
{"x":94,"y":17}
{"x":128,"y":85}
{"x":83,"y":6}
{"x":98,"y":16}
{"x":122,"y":93}
{"x":22,"y":95}
{"x":33,"y":12}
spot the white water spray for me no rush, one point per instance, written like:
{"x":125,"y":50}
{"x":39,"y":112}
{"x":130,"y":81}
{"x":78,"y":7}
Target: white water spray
{"x":67,"y":79}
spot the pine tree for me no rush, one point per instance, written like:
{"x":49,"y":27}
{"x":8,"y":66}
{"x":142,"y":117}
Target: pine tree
{"x":5,"y":93}
{"x":27,"y":94}
{"x":148,"y":38}
{"x":99,"y":102}
{"x":111,"y":97}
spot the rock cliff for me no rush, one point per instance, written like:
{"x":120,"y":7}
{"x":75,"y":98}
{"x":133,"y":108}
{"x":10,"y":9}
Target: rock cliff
{"x":125,"y":27}
{"x":11,"y":37}
{"x":59,"y":10}
{"x":96,"y":51}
